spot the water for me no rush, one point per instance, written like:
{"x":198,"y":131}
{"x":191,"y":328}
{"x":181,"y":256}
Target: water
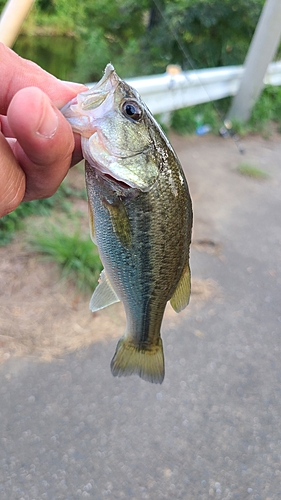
{"x":56,"y":54}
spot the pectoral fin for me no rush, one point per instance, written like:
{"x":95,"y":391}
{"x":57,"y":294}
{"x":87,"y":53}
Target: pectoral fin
{"x":180,"y":298}
{"x":92,"y":224}
{"x":103,"y":295}
{"x":120,"y":222}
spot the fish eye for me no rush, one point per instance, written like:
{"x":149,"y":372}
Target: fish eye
{"x":132,"y":110}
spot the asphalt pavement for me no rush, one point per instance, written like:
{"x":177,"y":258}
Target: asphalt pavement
{"x":69,"y":430}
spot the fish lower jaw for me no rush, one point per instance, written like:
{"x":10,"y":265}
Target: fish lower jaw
{"x":98,"y":171}
{"x":121,"y":184}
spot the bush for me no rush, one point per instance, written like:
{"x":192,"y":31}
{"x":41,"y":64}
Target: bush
{"x":266,"y":109}
{"x":186,"y":120}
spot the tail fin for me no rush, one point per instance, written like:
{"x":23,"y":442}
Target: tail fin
{"x":147,"y":363}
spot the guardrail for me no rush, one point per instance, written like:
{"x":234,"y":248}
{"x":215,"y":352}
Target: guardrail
{"x":164,"y":93}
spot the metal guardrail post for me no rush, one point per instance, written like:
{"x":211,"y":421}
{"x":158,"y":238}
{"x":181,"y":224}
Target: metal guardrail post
{"x":262,"y":49}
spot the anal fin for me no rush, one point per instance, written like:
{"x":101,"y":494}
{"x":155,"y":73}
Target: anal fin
{"x":104,"y":295}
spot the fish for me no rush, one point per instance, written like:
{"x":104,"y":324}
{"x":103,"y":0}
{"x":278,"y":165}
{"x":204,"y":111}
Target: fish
{"x":140,"y":217}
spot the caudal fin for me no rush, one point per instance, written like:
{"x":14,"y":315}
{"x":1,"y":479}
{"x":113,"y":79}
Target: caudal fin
{"x":130,"y":359}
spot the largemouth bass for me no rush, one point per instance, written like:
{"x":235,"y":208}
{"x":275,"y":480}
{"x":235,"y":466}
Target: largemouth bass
{"x":140,"y":217}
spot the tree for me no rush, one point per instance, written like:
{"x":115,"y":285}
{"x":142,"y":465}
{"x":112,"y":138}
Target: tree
{"x":211,"y":32}
{"x":143,"y":37}
{"x":111,"y":31}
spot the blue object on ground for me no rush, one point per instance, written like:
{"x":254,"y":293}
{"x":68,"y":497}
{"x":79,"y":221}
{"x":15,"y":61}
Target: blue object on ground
{"x":203,"y":129}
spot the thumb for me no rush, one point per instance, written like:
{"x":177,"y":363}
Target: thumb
{"x":12,"y":179}
{"x":45,"y":141}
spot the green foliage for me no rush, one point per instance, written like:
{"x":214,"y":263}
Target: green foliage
{"x":186,"y":120}
{"x":2,"y":4}
{"x":57,"y":16}
{"x":266,"y":110}
{"x":55,"y":54}
{"x":183,"y":121}
{"x":77,"y":256}
{"x":8,"y":225}
{"x":46,"y":6}
{"x":143,"y":37}
{"x":214,"y":33}
{"x":110,"y":32}
{"x":268,"y":107}
{"x":94,"y":54}
{"x":12,"y":222}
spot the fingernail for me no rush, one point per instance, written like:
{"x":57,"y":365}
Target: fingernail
{"x":49,"y":123}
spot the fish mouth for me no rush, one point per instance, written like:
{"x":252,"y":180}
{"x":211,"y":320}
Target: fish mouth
{"x":83,"y":111}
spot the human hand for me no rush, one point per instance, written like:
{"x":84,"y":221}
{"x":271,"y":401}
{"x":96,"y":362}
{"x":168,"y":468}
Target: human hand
{"x":37,"y":145}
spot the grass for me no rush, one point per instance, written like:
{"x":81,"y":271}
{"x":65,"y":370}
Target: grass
{"x":251,"y":171}
{"x":14,"y":221}
{"x":76,"y":255}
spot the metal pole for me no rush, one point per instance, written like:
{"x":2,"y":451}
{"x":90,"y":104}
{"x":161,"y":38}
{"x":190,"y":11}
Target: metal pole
{"x":12,"y":17}
{"x":261,"y":52}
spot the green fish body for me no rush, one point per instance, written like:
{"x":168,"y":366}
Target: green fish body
{"x":141,"y":218}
